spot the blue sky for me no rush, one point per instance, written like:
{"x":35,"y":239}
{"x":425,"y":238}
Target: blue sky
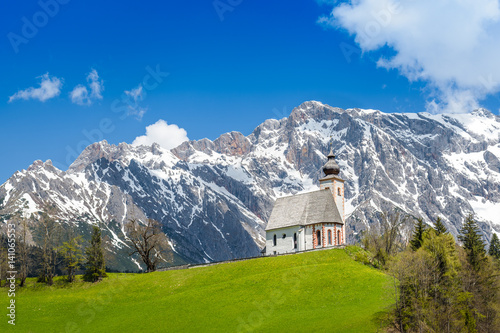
{"x":226,"y":71}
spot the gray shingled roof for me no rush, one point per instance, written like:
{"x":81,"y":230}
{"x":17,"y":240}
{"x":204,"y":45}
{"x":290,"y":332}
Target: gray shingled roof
{"x":304,"y":209}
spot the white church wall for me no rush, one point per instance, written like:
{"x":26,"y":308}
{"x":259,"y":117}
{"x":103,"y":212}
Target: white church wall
{"x":309,"y":237}
{"x":333,"y":227}
{"x":301,"y":246}
{"x":305,"y":239}
{"x":283,"y":245}
{"x":339,"y":199}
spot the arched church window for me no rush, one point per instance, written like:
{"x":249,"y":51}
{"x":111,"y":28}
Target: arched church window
{"x":338,"y":237}
{"x":284,"y":236}
{"x":318,"y":238}
{"x":329,"y":237}
{"x":295,"y":240}
{"x":274,"y":240}
{"x":338,"y":190}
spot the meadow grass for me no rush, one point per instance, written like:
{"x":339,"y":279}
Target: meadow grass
{"x":323,"y":291}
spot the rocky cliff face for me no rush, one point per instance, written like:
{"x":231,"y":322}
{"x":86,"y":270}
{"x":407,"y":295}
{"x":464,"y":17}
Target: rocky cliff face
{"x":215,"y":197}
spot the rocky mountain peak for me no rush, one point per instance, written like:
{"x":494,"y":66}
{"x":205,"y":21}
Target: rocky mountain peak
{"x":39,"y":165}
{"x":312,"y":110}
{"x":35,"y":166}
{"x":100,"y":150}
{"x":232,"y":144}
{"x":156,"y":149}
{"x":481,"y":112}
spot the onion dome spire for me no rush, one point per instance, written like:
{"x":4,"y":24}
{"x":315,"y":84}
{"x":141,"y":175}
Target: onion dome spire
{"x":331,"y":167}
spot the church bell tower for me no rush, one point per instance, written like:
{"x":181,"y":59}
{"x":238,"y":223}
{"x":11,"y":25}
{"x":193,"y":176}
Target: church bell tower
{"x":332,"y":181}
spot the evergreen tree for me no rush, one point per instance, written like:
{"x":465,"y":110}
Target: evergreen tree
{"x":494,"y":250}
{"x":73,"y":258}
{"x":439,"y":227}
{"x":95,"y":265}
{"x":472,"y":243}
{"x":418,"y":235}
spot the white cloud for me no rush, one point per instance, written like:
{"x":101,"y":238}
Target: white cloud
{"x":138,"y":112}
{"x":136,"y":95}
{"x":50,"y":87}
{"x":80,"y":94}
{"x":167,"y":136}
{"x":452,"y":45}
{"x":96,"y":85}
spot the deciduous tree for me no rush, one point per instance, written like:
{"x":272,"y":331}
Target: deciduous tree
{"x":4,"y":262}
{"x":23,"y":251}
{"x":49,"y":232}
{"x":149,"y":241}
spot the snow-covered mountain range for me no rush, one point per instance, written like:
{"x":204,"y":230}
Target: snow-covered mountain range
{"x":214,"y":198}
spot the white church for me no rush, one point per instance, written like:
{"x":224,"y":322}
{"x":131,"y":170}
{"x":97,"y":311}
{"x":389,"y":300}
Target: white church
{"x":309,"y":220}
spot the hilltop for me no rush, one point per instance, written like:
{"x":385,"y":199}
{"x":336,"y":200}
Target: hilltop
{"x":320,"y":291}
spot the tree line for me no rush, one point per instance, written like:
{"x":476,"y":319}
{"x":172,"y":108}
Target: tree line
{"x":440,"y":285}
{"x":61,"y":252}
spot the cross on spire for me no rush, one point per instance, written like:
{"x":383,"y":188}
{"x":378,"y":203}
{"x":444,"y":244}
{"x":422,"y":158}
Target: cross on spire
{"x":331,"y":148}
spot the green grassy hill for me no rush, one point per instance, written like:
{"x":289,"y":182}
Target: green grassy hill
{"x":323,"y":291}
